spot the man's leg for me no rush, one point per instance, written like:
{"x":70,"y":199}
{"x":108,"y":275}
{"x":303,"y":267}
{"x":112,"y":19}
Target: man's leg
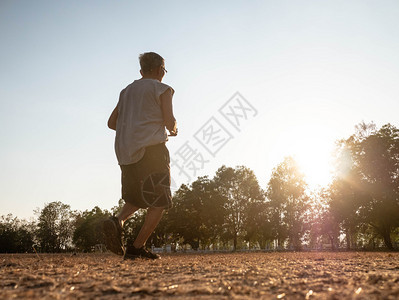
{"x":112,"y":229}
{"x":127,"y":211}
{"x":154,"y":215}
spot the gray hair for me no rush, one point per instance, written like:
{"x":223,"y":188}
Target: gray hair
{"x":150,"y":61}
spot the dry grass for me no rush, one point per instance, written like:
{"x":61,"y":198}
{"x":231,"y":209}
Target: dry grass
{"x":326,"y":275}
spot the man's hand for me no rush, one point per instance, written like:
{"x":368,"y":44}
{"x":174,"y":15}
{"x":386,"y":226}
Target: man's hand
{"x":173,"y":133}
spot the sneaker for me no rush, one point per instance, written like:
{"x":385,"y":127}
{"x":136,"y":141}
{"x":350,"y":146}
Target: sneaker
{"x":133,"y":253}
{"x":112,"y":230}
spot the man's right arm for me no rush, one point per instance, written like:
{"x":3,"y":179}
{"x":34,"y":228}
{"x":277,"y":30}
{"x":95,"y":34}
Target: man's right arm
{"x":167,"y":112}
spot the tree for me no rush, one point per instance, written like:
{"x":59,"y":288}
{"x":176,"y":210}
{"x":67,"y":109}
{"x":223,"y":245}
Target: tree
{"x":87,"y":229}
{"x":183,"y":218}
{"x":324,"y":228}
{"x":373,"y":178}
{"x":288,"y":202}
{"x":240,"y":190}
{"x":258,"y":228}
{"x":378,"y":157}
{"x":344,"y":207}
{"x":16,"y":236}
{"x":197,"y":215}
{"x":55,"y":227}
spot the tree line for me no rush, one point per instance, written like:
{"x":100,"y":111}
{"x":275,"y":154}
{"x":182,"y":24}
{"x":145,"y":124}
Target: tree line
{"x":358,"y":210}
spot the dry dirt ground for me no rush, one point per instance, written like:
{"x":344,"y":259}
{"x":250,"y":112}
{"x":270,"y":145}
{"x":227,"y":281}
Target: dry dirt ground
{"x":326,"y":275}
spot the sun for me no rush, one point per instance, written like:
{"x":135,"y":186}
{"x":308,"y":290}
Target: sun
{"x":314,"y":162}
{"x":313,"y":153}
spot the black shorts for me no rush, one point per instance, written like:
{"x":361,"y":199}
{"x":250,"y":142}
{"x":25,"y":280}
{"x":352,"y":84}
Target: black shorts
{"x":147,"y":182}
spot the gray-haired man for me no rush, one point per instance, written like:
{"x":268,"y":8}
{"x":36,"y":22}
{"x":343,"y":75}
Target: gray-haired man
{"x":143,"y":111}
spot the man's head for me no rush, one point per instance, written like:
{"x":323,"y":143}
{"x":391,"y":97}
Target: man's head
{"x":152,"y":65}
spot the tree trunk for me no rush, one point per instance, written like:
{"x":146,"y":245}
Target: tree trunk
{"x":235,"y":242}
{"x":386,"y":235}
{"x":297,"y":243}
{"x":348,"y":240}
{"x":262,"y":244}
{"x":332,"y":242}
{"x":385,"y":232}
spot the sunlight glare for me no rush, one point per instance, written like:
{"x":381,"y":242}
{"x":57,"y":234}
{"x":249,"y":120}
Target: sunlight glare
{"x":314,"y":163}
{"x":312,"y":151}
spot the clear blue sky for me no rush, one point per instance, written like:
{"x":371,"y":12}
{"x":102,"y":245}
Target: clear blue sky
{"x":312,"y":70}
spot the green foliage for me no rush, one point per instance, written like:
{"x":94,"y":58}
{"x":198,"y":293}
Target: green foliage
{"x":366,"y":191}
{"x":133,"y":225}
{"x":288,"y":203}
{"x":87,"y":229}
{"x":55,"y":227}
{"x":197,"y":214}
{"x":323,"y":225}
{"x":242,"y":195}
{"x":16,"y":236}
{"x":258,"y":228}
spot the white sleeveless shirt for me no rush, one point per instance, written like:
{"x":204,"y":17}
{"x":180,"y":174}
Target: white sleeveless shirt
{"x":140,"y":121}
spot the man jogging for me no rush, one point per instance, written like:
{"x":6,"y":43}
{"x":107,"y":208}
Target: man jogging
{"x":140,"y":117}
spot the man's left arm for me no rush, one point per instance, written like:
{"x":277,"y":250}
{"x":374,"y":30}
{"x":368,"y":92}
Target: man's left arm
{"x":167,"y":112}
{"x":113,"y":118}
